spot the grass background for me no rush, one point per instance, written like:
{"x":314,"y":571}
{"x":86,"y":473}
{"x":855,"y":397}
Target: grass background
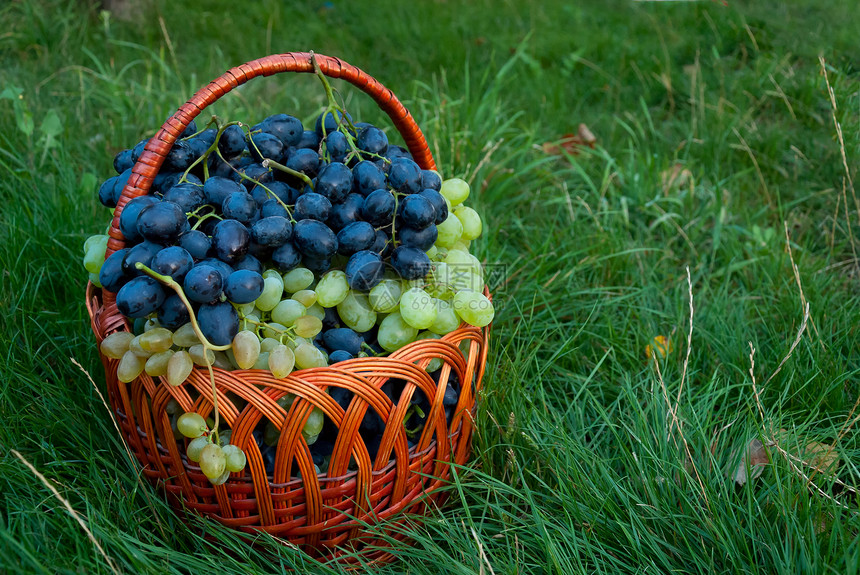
{"x":576,"y":468}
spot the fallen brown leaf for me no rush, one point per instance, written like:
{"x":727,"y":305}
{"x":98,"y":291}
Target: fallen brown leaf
{"x":752,"y":463}
{"x":570,"y":143}
{"x":821,"y":457}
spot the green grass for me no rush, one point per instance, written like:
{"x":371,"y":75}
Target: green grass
{"x":575,"y":468}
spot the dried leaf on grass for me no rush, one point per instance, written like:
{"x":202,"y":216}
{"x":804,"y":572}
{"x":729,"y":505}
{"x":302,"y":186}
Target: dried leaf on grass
{"x":821,"y":457}
{"x":570,"y":144}
{"x":661,"y":345}
{"x":752,"y":463}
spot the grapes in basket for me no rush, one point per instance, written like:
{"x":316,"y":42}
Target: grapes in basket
{"x":278,"y":247}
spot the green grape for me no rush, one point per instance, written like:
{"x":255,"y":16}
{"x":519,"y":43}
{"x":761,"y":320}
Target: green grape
{"x":185,"y":336}
{"x":268,"y":344}
{"x":273,"y":289}
{"x":94,"y":256}
{"x":94,"y":279}
{"x":432,"y":252}
{"x":307,"y":297}
{"x":156,"y":340}
{"x":244,"y":309}
{"x":286,"y":401}
{"x":314,"y":423}
{"x":281,"y":361}
{"x":436,"y":362}
{"x":332,"y":288}
{"x":232,"y":359}
{"x":316,"y":311}
{"x":417,"y":308}
{"x":474,"y":308}
{"x":136,"y":349}
{"x":296,"y":341}
{"x":455,"y":190}
{"x":380,"y":317}
{"x":246,"y":348}
{"x":307,"y":356}
{"x":394,"y":333}
{"x":213,"y":463}
{"x":462,"y":245}
{"x":151,"y":324}
{"x":236,"y":459}
{"x":274,"y":330}
{"x":262,"y":361}
{"x":457,"y":258}
{"x":222,"y":361}
{"x":191,"y":424}
{"x":287,"y":311}
{"x":201,"y":356}
{"x":116,"y":344}
{"x":250,"y":322}
{"x":298,"y":279}
{"x":308,"y":326}
{"x":221,"y":479}
{"x":438,"y":285}
{"x":156,"y":366}
{"x":195,"y":446}
{"x":130,"y":366}
{"x":92,"y":241}
{"x":272,"y":273}
{"x":466,"y":279}
{"x":449,"y":231}
{"x":446,"y":318}
{"x":385,"y":296}
{"x":179,"y":368}
{"x":224,"y":437}
{"x":356,"y":313}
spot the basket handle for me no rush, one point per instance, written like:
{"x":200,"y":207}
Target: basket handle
{"x":156,"y":150}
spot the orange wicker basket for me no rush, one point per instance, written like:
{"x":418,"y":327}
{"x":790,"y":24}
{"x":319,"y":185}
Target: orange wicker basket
{"x":324,"y":514}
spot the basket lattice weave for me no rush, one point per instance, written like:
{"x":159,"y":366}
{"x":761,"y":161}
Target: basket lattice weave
{"x":326,"y":513}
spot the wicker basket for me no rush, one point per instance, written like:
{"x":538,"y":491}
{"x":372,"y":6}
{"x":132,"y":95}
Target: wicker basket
{"x":323,"y":514}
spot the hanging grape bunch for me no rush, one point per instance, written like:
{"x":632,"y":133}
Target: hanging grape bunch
{"x":275,"y":247}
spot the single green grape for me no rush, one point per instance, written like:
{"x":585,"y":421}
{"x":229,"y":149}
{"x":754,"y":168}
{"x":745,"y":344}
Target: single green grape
{"x":474,"y":308}
{"x":273,"y":289}
{"x":455,"y":190}
{"x":316,"y":311}
{"x":195,"y":446}
{"x":287,"y":311}
{"x":332,"y":288}
{"x":179,"y":367}
{"x":156,"y":366}
{"x":384,"y":297}
{"x":156,"y":340}
{"x":246,"y":348}
{"x":394,"y":333}
{"x":449,"y":231}
{"x":116,"y":344}
{"x":307,"y":297}
{"x":281,"y":361}
{"x":314,"y":423}
{"x":268,"y":344}
{"x":130,"y":366}
{"x":356,"y":313}
{"x":262,"y":361}
{"x":235,"y":457}
{"x":191,"y":424}
{"x":185,"y":336}
{"x":308,"y":356}
{"x":417,"y":308}
{"x":298,"y":279}
{"x":446,"y":318}
{"x":308,"y":326}
{"x":201,"y":355}
{"x":213,"y":463}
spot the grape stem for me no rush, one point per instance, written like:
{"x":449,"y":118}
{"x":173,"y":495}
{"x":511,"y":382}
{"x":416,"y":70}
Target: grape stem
{"x":269,"y":163}
{"x":172,"y":284}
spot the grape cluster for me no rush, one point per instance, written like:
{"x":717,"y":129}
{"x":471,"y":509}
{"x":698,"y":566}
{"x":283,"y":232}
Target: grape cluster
{"x":276,"y":247}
